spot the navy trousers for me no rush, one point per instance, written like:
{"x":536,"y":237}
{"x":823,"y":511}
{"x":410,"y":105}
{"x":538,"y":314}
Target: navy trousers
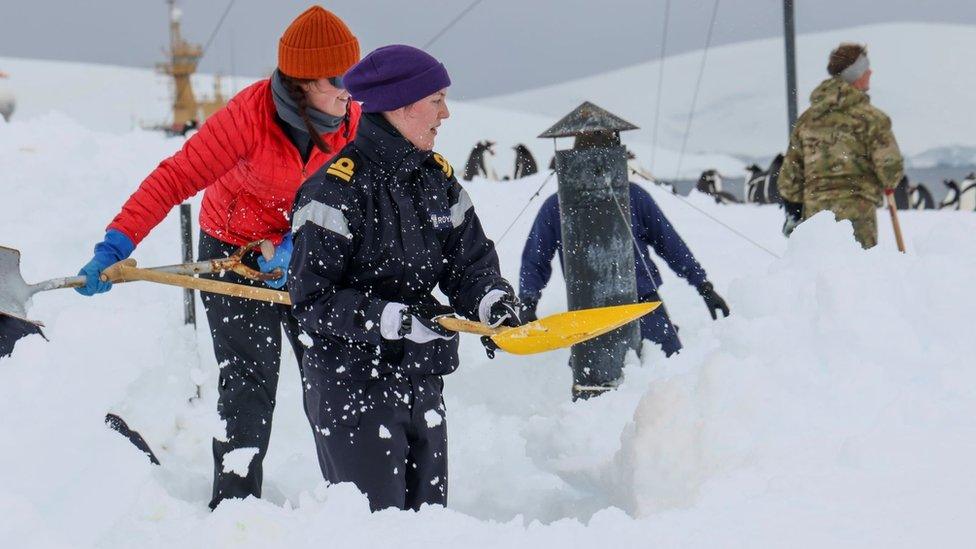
{"x":247,"y":343}
{"x":658,"y":328}
{"x":387,"y":436}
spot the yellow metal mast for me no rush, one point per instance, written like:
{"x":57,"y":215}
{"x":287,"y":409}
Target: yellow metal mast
{"x":183,"y":60}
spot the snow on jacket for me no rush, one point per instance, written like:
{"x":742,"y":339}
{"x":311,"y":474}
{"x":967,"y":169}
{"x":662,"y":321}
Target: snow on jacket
{"x":651,"y":230}
{"x":384,"y":222}
{"x":248,"y":166}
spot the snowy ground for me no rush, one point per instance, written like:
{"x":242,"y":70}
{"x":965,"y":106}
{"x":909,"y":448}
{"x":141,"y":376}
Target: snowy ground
{"x":834,"y":408}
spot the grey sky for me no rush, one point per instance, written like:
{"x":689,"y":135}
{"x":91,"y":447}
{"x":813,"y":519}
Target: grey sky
{"x":501,"y":46}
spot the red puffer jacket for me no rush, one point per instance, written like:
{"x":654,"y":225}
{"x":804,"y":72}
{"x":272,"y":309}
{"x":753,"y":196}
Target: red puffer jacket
{"x":248,"y":166}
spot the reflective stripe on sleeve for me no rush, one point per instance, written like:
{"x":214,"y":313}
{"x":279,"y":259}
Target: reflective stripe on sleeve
{"x":460,"y":208}
{"x":324,"y":216}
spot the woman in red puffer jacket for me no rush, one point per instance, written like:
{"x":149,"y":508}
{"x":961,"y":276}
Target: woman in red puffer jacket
{"x":249,"y":158}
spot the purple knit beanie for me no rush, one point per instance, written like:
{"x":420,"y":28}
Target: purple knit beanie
{"x":395,"y":76}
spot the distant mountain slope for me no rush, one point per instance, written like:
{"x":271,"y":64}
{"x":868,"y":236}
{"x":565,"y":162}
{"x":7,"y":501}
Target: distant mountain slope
{"x":923,"y":78}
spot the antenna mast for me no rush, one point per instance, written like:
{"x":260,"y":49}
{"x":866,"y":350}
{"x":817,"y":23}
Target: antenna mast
{"x":182,"y":64}
{"x":789,"y":36}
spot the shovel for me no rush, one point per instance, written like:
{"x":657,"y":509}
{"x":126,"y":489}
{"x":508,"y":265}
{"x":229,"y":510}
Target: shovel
{"x":15,"y":293}
{"x":546,"y":334}
{"x":555,"y":331}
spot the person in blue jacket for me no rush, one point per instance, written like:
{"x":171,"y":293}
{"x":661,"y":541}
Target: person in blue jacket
{"x":374,"y":232}
{"x":651,"y":230}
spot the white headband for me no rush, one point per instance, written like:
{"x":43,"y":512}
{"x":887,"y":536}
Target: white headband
{"x":856,"y":70}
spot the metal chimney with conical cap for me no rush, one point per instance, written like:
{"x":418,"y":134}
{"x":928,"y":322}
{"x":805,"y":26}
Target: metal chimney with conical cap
{"x":588,"y":118}
{"x":598,"y":250}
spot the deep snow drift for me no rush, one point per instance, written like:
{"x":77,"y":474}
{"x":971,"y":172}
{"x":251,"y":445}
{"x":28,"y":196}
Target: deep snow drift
{"x":835,"y":407}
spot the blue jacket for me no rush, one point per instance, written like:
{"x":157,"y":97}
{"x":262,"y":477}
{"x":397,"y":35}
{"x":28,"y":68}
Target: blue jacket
{"x":383,"y":222}
{"x":651,"y":230}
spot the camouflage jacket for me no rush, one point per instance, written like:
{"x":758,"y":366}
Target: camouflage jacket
{"x":841,"y":148}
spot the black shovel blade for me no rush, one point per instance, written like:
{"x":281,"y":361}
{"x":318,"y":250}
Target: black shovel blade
{"x":119,"y":425}
{"x":12,"y":329}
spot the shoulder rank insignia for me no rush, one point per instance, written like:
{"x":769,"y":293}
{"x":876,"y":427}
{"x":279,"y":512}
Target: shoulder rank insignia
{"x":444,"y":164}
{"x":342,"y":168}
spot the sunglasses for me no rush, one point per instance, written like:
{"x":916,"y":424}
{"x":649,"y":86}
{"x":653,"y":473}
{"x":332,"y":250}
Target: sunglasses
{"x":336,"y":81}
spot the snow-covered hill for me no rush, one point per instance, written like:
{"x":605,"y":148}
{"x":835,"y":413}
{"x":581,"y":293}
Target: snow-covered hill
{"x":833,"y":408}
{"x":118,"y":99}
{"x":923,"y":78}
{"x":100,"y":97}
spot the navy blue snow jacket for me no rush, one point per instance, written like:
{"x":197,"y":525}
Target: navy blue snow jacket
{"x":383,"y":222}
{"x":651,"y":230}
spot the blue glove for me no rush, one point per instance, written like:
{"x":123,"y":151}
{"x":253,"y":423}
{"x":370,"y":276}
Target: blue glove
{"x":110,"y":251}
{"x":281,"y":259}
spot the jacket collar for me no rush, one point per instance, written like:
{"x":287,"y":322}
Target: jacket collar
{"x":834,"y":94}
{"x":384,"y":145}
{"x":288,"y":110}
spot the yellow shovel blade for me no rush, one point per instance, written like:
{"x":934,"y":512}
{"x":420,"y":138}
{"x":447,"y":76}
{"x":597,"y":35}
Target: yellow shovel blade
{"x":566,"y":329}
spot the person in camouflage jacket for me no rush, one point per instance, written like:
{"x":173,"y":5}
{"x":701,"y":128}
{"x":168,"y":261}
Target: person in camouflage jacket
{"x":842,"y":153}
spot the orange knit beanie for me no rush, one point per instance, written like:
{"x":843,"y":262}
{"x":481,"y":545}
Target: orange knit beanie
{"x":316,"y":45}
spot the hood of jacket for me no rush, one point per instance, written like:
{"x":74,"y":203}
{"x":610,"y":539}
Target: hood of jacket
{"x":833,"y":94}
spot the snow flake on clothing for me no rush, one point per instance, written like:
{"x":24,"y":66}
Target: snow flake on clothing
{"x":239,"y":461}
{"x":433,"y":418}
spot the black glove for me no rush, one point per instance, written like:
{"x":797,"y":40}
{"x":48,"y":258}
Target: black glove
{"x":528,"y":310}
{"x":794,"y":215}
{"x":505,"y":311}
{"x":418,"y":323}
{"x":713,"y":301}
{"x":490,"y":346}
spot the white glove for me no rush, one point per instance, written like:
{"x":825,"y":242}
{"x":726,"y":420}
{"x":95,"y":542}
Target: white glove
{"x":417,"y":323}
{"x":499,"y":307}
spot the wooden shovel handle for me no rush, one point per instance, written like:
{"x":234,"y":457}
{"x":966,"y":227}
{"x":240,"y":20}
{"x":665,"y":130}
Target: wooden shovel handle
{"x":456,"y":324}
{"x":893,"y":210}
{"x":126,"y":271}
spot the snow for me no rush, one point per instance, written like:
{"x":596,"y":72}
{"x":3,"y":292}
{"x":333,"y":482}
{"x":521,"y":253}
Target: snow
{"x":239,"y":461}
{"x":433,"y":418}
{"x":833,"y":408}
{"x":136,"y":97}
{"x":384,"y":432}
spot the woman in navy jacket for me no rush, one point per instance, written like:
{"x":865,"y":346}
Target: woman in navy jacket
{"x":374,"y":232}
